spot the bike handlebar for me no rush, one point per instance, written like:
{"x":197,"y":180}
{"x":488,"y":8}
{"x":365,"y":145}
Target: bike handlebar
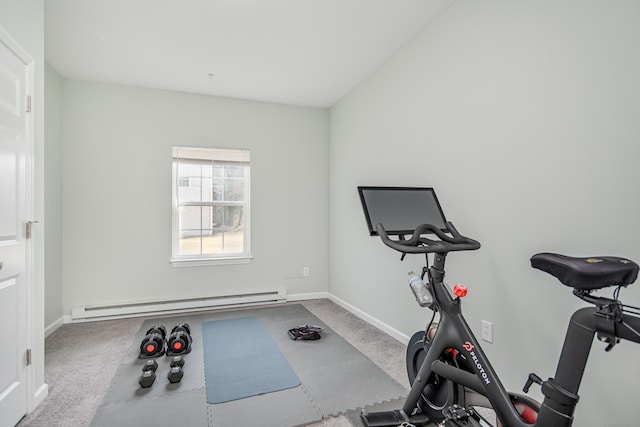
{"x":422,"y":245}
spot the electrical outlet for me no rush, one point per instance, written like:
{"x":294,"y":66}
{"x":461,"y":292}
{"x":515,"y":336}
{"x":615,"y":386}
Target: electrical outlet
{"x":487,"y":331}
{"x":305,"y":271}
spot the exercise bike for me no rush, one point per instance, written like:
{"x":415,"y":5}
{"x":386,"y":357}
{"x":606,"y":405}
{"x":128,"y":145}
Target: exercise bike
{"x":449,"y":373}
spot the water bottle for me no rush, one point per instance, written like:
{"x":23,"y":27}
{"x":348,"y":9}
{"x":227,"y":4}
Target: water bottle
{"x":420,"y":290}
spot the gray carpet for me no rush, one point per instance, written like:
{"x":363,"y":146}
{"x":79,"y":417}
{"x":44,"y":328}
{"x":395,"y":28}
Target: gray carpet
{"x":82,"y":359}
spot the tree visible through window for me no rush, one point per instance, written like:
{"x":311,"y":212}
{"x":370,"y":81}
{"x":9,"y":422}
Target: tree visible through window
{"x":211,"y":204}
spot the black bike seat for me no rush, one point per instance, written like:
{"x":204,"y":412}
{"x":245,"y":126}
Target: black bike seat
{"x":587,"y":273}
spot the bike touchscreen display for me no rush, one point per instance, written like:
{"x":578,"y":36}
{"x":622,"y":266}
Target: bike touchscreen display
{"x":400,"y":209}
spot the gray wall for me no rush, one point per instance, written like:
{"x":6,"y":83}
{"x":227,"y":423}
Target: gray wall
{"x":53,"y":197}
{"x":117,"y":193}
{"x":524,"y":117}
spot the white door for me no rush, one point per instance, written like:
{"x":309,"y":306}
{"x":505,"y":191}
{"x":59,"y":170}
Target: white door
{"x":14,"y":137}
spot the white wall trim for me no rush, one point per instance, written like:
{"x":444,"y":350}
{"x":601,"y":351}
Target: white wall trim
{"x":147,"y":308}
{"x":289,"y":298}
{"x":182,"y":311}
{"x":308,"y":296}
{"x":199,"y":262}
{"x":40,"y":395}
{"x":54,"y":326}
{"x":404,"y":339}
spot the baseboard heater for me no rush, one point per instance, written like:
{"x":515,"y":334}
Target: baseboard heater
{"x":95,"y":312}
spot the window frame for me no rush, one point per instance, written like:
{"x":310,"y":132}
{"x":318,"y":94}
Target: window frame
{"x":207,"y":155}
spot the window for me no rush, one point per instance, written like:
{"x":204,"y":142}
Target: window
{"x":210,"y":206}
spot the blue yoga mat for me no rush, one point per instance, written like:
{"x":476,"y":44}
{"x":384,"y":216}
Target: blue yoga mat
{"x":241,"y":360}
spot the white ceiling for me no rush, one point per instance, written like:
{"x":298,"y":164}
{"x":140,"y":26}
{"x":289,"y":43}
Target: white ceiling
{"x":299,"y":52}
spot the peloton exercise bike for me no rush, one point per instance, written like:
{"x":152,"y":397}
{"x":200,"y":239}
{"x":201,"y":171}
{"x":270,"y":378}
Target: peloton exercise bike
{"x":447,"y":368}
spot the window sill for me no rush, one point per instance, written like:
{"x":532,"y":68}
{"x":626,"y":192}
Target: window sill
{"x":197,"y":262}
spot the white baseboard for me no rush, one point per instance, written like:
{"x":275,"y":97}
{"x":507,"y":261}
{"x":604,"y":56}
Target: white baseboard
{"x":161,"y":307}
{"x":291,"y":297}
{"x":55,"y":325}
{"x":371,"y":320}
{"x":308,"y":296}
{"x":39,"y":396}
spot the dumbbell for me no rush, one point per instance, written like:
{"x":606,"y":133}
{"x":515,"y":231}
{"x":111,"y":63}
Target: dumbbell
{"x":150,"y":365}
{"x":175,"y":374}
{"x":177,"y":361}
{"x":153,"y":344}
{"x":148,"y":374}
{"x":179,"y":342}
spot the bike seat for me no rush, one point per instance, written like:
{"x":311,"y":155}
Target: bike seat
{"x":587,"y":273}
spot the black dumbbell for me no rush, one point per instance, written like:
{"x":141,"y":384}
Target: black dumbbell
{"x":150,"y":365}
{"x":177,"y":361}
{"x":148,"y":374}
{"x":153,"y":344}
{"x":184,"y":327}
{"x":147,"y":378}
{"x":179,"y":342}
{"x":175,"y":374}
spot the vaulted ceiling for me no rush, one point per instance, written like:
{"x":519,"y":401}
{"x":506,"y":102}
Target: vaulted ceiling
{"x":299,"y":52}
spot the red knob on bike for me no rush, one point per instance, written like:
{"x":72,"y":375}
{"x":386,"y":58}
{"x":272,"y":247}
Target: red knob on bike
{"x":460,"y":290}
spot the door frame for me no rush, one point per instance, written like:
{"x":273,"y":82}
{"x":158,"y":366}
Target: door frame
{"x":30,"y":255}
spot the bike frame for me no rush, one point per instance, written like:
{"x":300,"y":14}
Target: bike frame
{"x":561,"y":392}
